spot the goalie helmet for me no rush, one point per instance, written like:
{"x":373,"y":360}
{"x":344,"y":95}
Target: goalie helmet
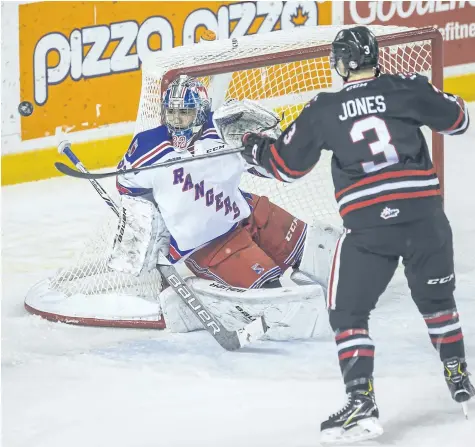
{"x":354,"y":49}
{"x":185,"y":108}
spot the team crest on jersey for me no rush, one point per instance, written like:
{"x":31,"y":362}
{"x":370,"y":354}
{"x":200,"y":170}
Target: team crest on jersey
{"x":133,"y":147}
{"x":388,"y":213}
{"x":258,"y":268}
{"x":179,"y":141}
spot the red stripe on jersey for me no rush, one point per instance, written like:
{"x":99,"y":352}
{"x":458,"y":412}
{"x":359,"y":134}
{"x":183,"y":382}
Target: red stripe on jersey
{"x":121,"y":188}
{"x":350,"y":332}
{"x":445,"y":340}
{"x":173,"y":253}
{"x":332,"y":275}
{"x":388,"y":197}
{"x":454,"y":126}
{"x":151,"y":154}
{"x":386,"y":176}
{"x":441,"y":318}
{"x":284,"y":167}
{"x":275,"y":171}
{"x":356,"y":353}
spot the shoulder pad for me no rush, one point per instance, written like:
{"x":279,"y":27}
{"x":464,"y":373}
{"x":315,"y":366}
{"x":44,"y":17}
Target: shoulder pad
{"x":318,"y":96}
{"x":411,"y":76}
{"x":147,"y":140}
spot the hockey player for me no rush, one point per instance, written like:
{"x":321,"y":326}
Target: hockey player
{"x":196,"y":211}
{"x":389,"y":198}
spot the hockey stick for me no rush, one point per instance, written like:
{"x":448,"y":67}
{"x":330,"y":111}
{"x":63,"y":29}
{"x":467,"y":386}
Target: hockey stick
{"x":229,"y":340}
{"x":65,"y":148}
{"x":84,"y":174}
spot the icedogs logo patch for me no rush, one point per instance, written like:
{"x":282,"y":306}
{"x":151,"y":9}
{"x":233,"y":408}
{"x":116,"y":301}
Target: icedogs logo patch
{"x":388,"y":213}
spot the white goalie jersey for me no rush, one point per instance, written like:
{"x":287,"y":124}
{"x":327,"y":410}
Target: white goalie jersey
{"x":199,"y":201}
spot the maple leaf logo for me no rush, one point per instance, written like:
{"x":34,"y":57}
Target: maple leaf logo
{"x":300,"y":18}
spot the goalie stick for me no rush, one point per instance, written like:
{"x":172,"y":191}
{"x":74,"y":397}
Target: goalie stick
{"x":82,"y":173}
{"x":229,"y":340}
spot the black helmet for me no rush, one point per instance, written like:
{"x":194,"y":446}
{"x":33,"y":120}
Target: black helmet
{"x":357,"y":48}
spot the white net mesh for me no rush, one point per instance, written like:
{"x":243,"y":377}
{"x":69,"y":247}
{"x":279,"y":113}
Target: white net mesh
{"x":90,"y":274}
{"x":285,"y":86}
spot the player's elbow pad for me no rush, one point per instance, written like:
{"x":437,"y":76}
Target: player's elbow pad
{"x":461,"y":124}
{"x":463,"y":128}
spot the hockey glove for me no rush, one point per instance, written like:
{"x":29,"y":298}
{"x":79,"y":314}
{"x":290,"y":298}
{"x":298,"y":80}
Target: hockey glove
{"x":256,"y":147}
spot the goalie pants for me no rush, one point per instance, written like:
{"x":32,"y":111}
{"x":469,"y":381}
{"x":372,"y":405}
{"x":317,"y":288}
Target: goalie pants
{"x":363,"y":265}
{"x":258,"y":251}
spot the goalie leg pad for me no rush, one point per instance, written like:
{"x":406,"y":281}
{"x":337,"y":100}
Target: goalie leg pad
{"x":141,"y":234}
{"x":291,"y":312}
{"x":317,"y":255}
{"x":178,"y":317}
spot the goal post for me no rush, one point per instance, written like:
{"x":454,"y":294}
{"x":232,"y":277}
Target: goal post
{"x":282,"y":70}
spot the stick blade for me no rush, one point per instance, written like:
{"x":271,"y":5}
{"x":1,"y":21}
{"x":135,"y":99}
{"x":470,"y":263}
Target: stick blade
{"x":65,"y":169}
{"x":70,"y":172}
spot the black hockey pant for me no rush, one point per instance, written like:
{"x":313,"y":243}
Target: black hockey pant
{"x":363,"y":265}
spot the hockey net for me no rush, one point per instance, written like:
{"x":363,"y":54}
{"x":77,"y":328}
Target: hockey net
{"x":282,"y":70}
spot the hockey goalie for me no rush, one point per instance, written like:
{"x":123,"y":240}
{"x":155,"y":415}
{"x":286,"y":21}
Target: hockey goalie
{"x":237,"y":244}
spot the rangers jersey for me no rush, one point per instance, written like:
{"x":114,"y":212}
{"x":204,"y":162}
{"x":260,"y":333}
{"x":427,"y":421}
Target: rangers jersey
{"x":200,"y":200}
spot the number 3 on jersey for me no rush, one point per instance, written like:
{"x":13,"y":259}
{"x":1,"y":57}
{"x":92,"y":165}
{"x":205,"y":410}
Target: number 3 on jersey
{"x":381,"y":145}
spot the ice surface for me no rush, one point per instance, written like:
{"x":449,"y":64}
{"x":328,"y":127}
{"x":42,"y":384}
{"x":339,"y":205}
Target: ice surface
{"x":66,"y":386}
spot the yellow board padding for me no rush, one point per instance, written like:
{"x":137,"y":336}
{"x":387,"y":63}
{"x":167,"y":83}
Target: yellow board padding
{"x":38,"y":165}
{"x":463,"y":86}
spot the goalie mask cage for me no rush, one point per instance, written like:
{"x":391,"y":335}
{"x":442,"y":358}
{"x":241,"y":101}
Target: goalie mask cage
{"x":282,"y":70}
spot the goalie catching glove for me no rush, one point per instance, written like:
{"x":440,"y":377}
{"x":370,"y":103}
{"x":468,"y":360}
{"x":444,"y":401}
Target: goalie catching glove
{"x":234,"y":119}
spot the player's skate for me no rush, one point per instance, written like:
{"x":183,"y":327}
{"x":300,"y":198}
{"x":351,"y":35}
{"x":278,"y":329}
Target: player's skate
{"x":457,"y":378}
{"x":356,"y":421}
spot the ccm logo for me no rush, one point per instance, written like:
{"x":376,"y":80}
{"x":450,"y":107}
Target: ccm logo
{"x":192,"y":302}
{"x":441,"y":280}
{"x":292,"y":228}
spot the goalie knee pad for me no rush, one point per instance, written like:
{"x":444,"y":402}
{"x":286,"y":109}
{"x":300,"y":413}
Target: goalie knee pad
{"x":314,"y":266}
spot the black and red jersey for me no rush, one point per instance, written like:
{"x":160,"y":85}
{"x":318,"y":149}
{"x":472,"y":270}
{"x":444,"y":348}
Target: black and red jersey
{"x":381,"y":165}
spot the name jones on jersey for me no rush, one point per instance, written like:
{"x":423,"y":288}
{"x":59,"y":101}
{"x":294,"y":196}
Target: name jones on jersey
{"x":362,"y":106}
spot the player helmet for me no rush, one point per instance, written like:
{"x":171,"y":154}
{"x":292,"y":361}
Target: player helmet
{"x":185,"y":108}
{"x":354,"y":49}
